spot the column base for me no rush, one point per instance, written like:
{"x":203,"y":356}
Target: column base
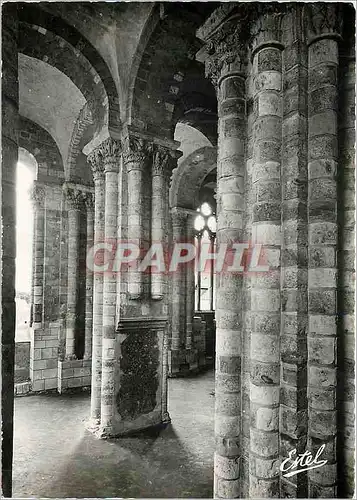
{"x":166,"y":419}
{"x":185,"y":362}
{"x":178,"y":365}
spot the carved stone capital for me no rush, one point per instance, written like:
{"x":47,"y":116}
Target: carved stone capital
{"x":323,"y":20}
{"x":95,"y":160}
{"x":164,"y":161}
{"x":74,"y":197}
{"x":179,"y":217}
{"x":161,"y":159}
{"x":37,"y":196}
{"x":88,"y":199}
{"x":265,"y":28}
{"x":227,"y":50}
{"x":111,"y":151}
{"x":137,"y":152}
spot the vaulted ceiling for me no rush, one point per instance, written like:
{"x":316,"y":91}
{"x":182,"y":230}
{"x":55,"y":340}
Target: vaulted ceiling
{"x":49,"y":98}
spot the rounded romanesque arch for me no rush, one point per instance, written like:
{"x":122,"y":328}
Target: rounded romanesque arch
{"x":53,"y":40}
{"x":41,"y":145}
{"x":198,"y":160}
{"x":170,"y":85}
{"x":189,"y":177}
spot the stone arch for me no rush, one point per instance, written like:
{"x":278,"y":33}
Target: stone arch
{"x":82,"y":133}
{"x":170,"y":85}
{"x":29,"y":160}
{"x":40,"y":144}
{"x":189,"y":176}
{"x":50,"y":38}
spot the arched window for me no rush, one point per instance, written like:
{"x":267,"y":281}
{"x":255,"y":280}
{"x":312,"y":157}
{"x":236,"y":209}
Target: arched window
{"x":205,"y":232}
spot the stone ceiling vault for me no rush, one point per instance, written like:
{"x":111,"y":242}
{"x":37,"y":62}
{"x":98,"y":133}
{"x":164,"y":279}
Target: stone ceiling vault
{"x":50,"y":99}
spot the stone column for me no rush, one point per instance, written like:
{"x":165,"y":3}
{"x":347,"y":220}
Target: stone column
{"x":190,"y":281}
{"x":33,"y":268}
{"x":159,"y":198}
{"x":178,"y":282}
{"x":323,"y":37}
{"x":9,"y":132}
{"x":89,"y":202}
{"x":74,"y":203}
{"x":346,"y":264}
{"x":226,"y":67}
{"x":294,"y":317}
{"x":111,"y":155}
{"x":265,"y":286}
{"x":96,"y":163}
{"x":136,"y":161}
{"x":38,"y":197}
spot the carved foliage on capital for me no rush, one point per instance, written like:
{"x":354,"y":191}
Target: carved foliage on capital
{"x":96,"y":162}
{"x":74,"y":197}
{"x":105,"y":157}
{"x":137,"y":152}
{"x":323,"y":19}
{"x":111,"y":151}
{"x":37,"y":196}
{"x":229,"y":46}
{"x":88,"y":199}
{"x":164,"y":161}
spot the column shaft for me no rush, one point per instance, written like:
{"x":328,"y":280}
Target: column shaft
{"x":99,"y":208}
{"x":9,"y":142}
{"x":111,"y":159}
{"x":89,"y":281}
{"x":38,"y":195}
{"x":159,"y":189}
{"x":190,"y":282}
{"x":136,"y":160}
{"x":74,"y":198}
{"x":346,"y":270}
{"x":178,"y":285}
{"x":265,"y":287}
{"x":323,"y":239}
{"x":294,"y":317}
{"x":230,"y":207}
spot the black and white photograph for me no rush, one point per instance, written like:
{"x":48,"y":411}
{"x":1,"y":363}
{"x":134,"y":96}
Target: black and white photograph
{"x":178,"y":249}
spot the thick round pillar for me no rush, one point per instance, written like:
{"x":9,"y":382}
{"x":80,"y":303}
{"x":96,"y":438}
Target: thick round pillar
{"x":323,"y":243}
{"x":346,"y":199}
{"x":111,"y":154}
{"x":265,"y":286}
{"x":294,"y":273}
{"x":227,"y":69}
{"x":88,"y":331}
{"x":74,"y":203}
{"x":9,"y":133}
{"x":96,"y":162}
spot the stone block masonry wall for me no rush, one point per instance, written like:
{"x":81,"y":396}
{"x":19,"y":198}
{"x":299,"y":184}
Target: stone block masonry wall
{"x":22,"y":361}
{"x":75,"y":373}
{"x":43,"y":360}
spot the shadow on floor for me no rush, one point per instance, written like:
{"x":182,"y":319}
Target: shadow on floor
{"x":56,"y":457}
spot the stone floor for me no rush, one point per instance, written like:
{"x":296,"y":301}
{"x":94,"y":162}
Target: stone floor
{"x":56,"y":457}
